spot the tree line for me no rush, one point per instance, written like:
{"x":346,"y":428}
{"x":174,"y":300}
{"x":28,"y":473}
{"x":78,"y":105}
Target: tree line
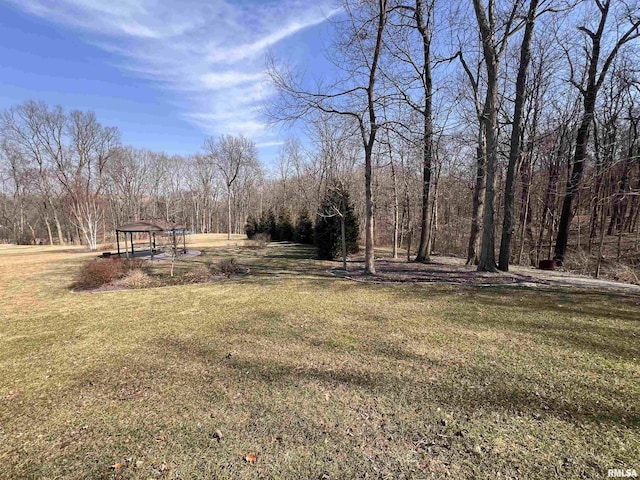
{"x":501,"y":131}
{"x":536,"y":100}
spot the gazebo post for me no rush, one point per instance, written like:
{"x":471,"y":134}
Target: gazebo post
{"x":126,"y":245}
{"x":133,"y":254}
{"x":151,"y":245}
{"x":184,"y":241}
{"x":118,"y":241}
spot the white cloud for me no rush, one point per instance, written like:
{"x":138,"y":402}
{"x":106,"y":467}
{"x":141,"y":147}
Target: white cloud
{"x":273,"y":143}
{"x":221,"y":80}
{"x":208,"y":53}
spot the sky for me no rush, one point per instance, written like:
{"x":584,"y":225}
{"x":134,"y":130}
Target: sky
{"x":167,"y":73}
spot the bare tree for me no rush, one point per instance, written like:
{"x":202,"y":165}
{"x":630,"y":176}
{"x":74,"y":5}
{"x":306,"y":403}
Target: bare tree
{"x":494,"y":43}
{"x":516,"y":135}
{"x":359,"y":100}
{"x":418,"y":17}
{"x":231,"y":154}
{"x":35,"y":133}
{"x":596,"y":74}
{"x":81,"y":169}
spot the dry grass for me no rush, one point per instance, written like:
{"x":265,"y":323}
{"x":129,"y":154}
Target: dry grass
{"x":621,"y":272}
{"x":225,"y":267}
{"x":259,"y":240}
{"x":198,"y":274}
{"x":317,"y":376}
{"x":137,"y":279}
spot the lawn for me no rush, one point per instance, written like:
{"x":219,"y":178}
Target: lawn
{"x":288,"y":372}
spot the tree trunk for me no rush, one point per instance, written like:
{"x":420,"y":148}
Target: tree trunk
{"x":49,"y":233}
{"x":575,"y":176}
{"x":228,"y":212}
{"x":478,"y":200}
{"x":369,"y":260}
{"x":423,"y":24}
{"x":343,"y":234}
{"x":369,"y":141}
{"x":491,"y":53}
{"x":487,"y":262}
{"x":516,"y":135}
{"x":56,"y":221}
{"x":396,"y":211}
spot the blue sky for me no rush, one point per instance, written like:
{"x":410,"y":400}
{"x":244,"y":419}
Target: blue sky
{"x":166,"y":72}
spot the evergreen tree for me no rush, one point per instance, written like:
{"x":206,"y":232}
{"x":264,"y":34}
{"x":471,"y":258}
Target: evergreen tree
{"x":304,"y":228}
{"x":270,"y":226}
{"x":267,"y":224}
{"x":328,"y":230}
{"x":252,"y":227}
{"x":285,"y":226}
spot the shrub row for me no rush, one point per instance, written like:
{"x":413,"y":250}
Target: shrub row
{"x":132,"y":273}
{"x":327,"y":233}
{"x":103,"y":271}
{"x":283,"y":228}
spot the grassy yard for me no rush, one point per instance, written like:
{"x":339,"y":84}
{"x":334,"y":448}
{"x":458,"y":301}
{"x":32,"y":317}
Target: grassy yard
{"x":318,"y":377}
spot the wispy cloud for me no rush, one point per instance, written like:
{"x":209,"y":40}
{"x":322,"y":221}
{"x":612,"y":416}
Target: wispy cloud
{"x":208,"y":53}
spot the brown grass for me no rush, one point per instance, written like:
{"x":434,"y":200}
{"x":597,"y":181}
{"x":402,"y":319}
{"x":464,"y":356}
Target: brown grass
{"x":137,"y":279}
{"x":225,"y":267}
{"x":198,"y":274}
{"x":259,"y":240}
{"x":309,"y":376}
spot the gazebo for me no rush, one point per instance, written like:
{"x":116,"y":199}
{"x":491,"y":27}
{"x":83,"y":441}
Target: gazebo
{"x":150,"y":227}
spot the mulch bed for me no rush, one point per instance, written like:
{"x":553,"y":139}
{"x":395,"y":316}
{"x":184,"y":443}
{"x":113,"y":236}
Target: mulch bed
{"x":160,"y":282}
{"x":397,"y":271}
{"x":453,"y":271}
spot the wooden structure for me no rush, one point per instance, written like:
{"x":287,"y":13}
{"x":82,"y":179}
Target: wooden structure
{"x":150,"y":227}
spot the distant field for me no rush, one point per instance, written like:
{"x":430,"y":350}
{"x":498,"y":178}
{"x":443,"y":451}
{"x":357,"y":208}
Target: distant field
{"x":289,"y":372}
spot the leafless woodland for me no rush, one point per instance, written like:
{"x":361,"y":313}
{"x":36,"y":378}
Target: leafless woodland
{"x":500,"y":131}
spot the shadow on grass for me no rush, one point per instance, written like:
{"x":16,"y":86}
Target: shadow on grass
{"x":467,"y":388}
{"x":278,"y":260}
{"x":597,"y":323}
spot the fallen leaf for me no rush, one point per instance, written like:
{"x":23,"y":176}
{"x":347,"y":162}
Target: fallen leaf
{"x":117,"y":466}
{"x":13,"y":394}
{"x":251,"y":458}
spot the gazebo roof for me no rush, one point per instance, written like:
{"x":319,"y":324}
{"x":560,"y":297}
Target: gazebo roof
{"x":141,"y":226}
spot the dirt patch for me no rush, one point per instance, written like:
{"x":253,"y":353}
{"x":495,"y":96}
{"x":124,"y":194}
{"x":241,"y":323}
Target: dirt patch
{"x":449,"y":270}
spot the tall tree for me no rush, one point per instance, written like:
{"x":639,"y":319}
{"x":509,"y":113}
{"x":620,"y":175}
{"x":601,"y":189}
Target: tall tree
{"x":492,"y":48}
{"x":417,"y":17}
{"x":360,"y":100}
{"x":595,"y":77}
{"x":231,"y":154}
{"x":82,"y":170}
{"x":508,"y":225}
